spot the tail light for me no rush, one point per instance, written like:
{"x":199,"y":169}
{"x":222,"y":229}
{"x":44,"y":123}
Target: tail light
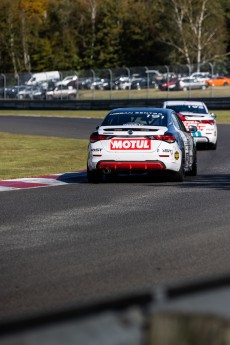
{"x":182,"y":117}
{"x":169,"y":138}
{"x":210,"y":122}
{"x":94,"y":137}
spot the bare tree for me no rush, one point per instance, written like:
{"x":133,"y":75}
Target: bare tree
{"x":195,"y":30}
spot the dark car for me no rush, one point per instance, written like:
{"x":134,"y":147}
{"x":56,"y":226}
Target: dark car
{"x":143,"y":83}
{"x":12,"y":91}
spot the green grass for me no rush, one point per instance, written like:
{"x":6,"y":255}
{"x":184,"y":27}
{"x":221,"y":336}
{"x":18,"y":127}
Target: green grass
{"x":28,"y":156}
{"x":223,"y":116}
{"x":56,"y":113}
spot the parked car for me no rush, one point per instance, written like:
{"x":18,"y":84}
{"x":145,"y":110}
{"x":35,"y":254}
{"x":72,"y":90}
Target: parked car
{"x":12,"y":91}
{"x":97,"y":83}
{"x":143,"y":83}
{"x":191,"y":84}
{"x":219,"y":81}
{"x":67,"y":80}
{"x":168,"y":85}
{"x":124,"y":83}
{"x":201,"y":75}
{"x":196,"y":113}
{"x":62,"y":92}
{"x":107,"y":84}
{"x":141,"y":140}
{"x":31,"y":92}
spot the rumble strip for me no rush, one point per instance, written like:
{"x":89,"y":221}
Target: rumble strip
{"x":43,"y":181}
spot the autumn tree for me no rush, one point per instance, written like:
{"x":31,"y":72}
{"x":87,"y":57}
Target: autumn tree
{"x":40,"y":35}
{"x":9,"y":38}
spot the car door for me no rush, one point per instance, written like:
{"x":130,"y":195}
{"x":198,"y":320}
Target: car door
{"x":187,"y":139}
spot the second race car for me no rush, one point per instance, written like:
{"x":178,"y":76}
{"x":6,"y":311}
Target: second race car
{"x":197,"y":114}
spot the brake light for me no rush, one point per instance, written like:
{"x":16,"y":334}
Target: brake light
{"x":182,"y":117}
{"x":94,"y":137}
{"x":169,"y":138}
{"x":210,"y":122}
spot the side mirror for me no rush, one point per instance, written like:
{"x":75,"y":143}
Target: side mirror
{"x":97,"y":127}
{"x":192,"y":129}
{"x":213,"y":115}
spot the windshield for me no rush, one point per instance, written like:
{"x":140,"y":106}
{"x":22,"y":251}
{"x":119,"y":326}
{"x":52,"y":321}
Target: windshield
{"x":182,"y":108}
{"x":141,"y":118}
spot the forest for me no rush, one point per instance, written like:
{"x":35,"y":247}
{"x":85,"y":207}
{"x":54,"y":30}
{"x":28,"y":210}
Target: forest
{"x":38,"y":35}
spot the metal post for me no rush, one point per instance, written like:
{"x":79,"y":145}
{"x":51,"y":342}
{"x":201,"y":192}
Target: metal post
{"x":111,"y":76}
{"x":77,"y":88}
{"x":93,"y":90}
{"x":128,"y":71}
{"x":189,"y":71}
{"x":146,"y":71}
{"x":212,"y":72}
{"x":167,"y":69}
{"x":4,"y":85}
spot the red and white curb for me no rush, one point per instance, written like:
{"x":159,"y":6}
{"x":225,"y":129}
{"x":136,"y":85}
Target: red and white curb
{"x":42,"y":181}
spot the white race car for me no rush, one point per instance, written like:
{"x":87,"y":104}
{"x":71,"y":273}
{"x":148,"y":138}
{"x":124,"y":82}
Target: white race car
{"x":141,"y":140}
{"x":197,"y":114}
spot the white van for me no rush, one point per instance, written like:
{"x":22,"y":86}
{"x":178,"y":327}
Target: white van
{"x":38,"y":78}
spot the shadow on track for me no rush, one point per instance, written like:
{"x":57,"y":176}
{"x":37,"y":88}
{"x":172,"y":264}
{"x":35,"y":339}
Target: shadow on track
{"x":219,"y":181}
{"x":73,"y":177}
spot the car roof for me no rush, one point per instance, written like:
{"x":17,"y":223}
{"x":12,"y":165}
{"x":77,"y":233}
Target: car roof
{"x":140,"y":109}
{"x":196,"y":103}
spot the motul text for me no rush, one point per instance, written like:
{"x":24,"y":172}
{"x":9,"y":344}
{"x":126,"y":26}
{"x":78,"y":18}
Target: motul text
{"x":130,"y":144}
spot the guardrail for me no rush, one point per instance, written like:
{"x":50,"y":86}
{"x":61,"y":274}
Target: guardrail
{"x":220,"y":103}
{"x":195,"y":313}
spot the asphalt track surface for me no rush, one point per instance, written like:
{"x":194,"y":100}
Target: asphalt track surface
{"x":70,"y":245}
{"x":49,"y":126}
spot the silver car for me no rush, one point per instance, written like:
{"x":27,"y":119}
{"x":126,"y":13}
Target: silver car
{"x":191,"y":84}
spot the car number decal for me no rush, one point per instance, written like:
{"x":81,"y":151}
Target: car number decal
{"x":130,"y":144}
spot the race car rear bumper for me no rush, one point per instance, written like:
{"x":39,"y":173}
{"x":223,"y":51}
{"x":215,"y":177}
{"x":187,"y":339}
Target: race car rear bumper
{"x":201,"y":139}
{"x":130,"y":165}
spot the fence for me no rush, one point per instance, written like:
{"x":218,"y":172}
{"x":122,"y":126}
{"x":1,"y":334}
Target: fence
{"x":101,"y":84}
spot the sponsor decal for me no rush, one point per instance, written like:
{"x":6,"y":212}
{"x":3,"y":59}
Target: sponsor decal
{"x":200,"y":126}
{"x":197,"y":134}
{"x":167,"y":150}
{"x":130,"y":144}
{"x":176,"y":155}
{"x":96,"y":150}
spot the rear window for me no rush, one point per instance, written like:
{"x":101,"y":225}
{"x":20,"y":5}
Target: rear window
{"x":196,"y":109}
{"x":141,"y":118}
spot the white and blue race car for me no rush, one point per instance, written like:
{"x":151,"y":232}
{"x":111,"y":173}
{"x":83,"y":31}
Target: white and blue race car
{"x":141,"y":140}
{"x":196,"y":113}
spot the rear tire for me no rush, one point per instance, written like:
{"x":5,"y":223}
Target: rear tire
{"x":94,"y":176}
{"x":178,"y":176}
{"x":193,"y":171}
{"x":212,"y":146}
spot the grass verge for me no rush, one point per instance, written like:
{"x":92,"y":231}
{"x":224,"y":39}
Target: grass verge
{"x":28,"y":156}
{"x":56,"y":113}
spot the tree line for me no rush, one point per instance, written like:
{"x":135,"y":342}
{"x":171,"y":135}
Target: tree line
{"x":39,"y":35}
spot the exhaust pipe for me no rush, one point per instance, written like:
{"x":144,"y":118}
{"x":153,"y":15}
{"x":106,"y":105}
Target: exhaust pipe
{"x":106,"y":171}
